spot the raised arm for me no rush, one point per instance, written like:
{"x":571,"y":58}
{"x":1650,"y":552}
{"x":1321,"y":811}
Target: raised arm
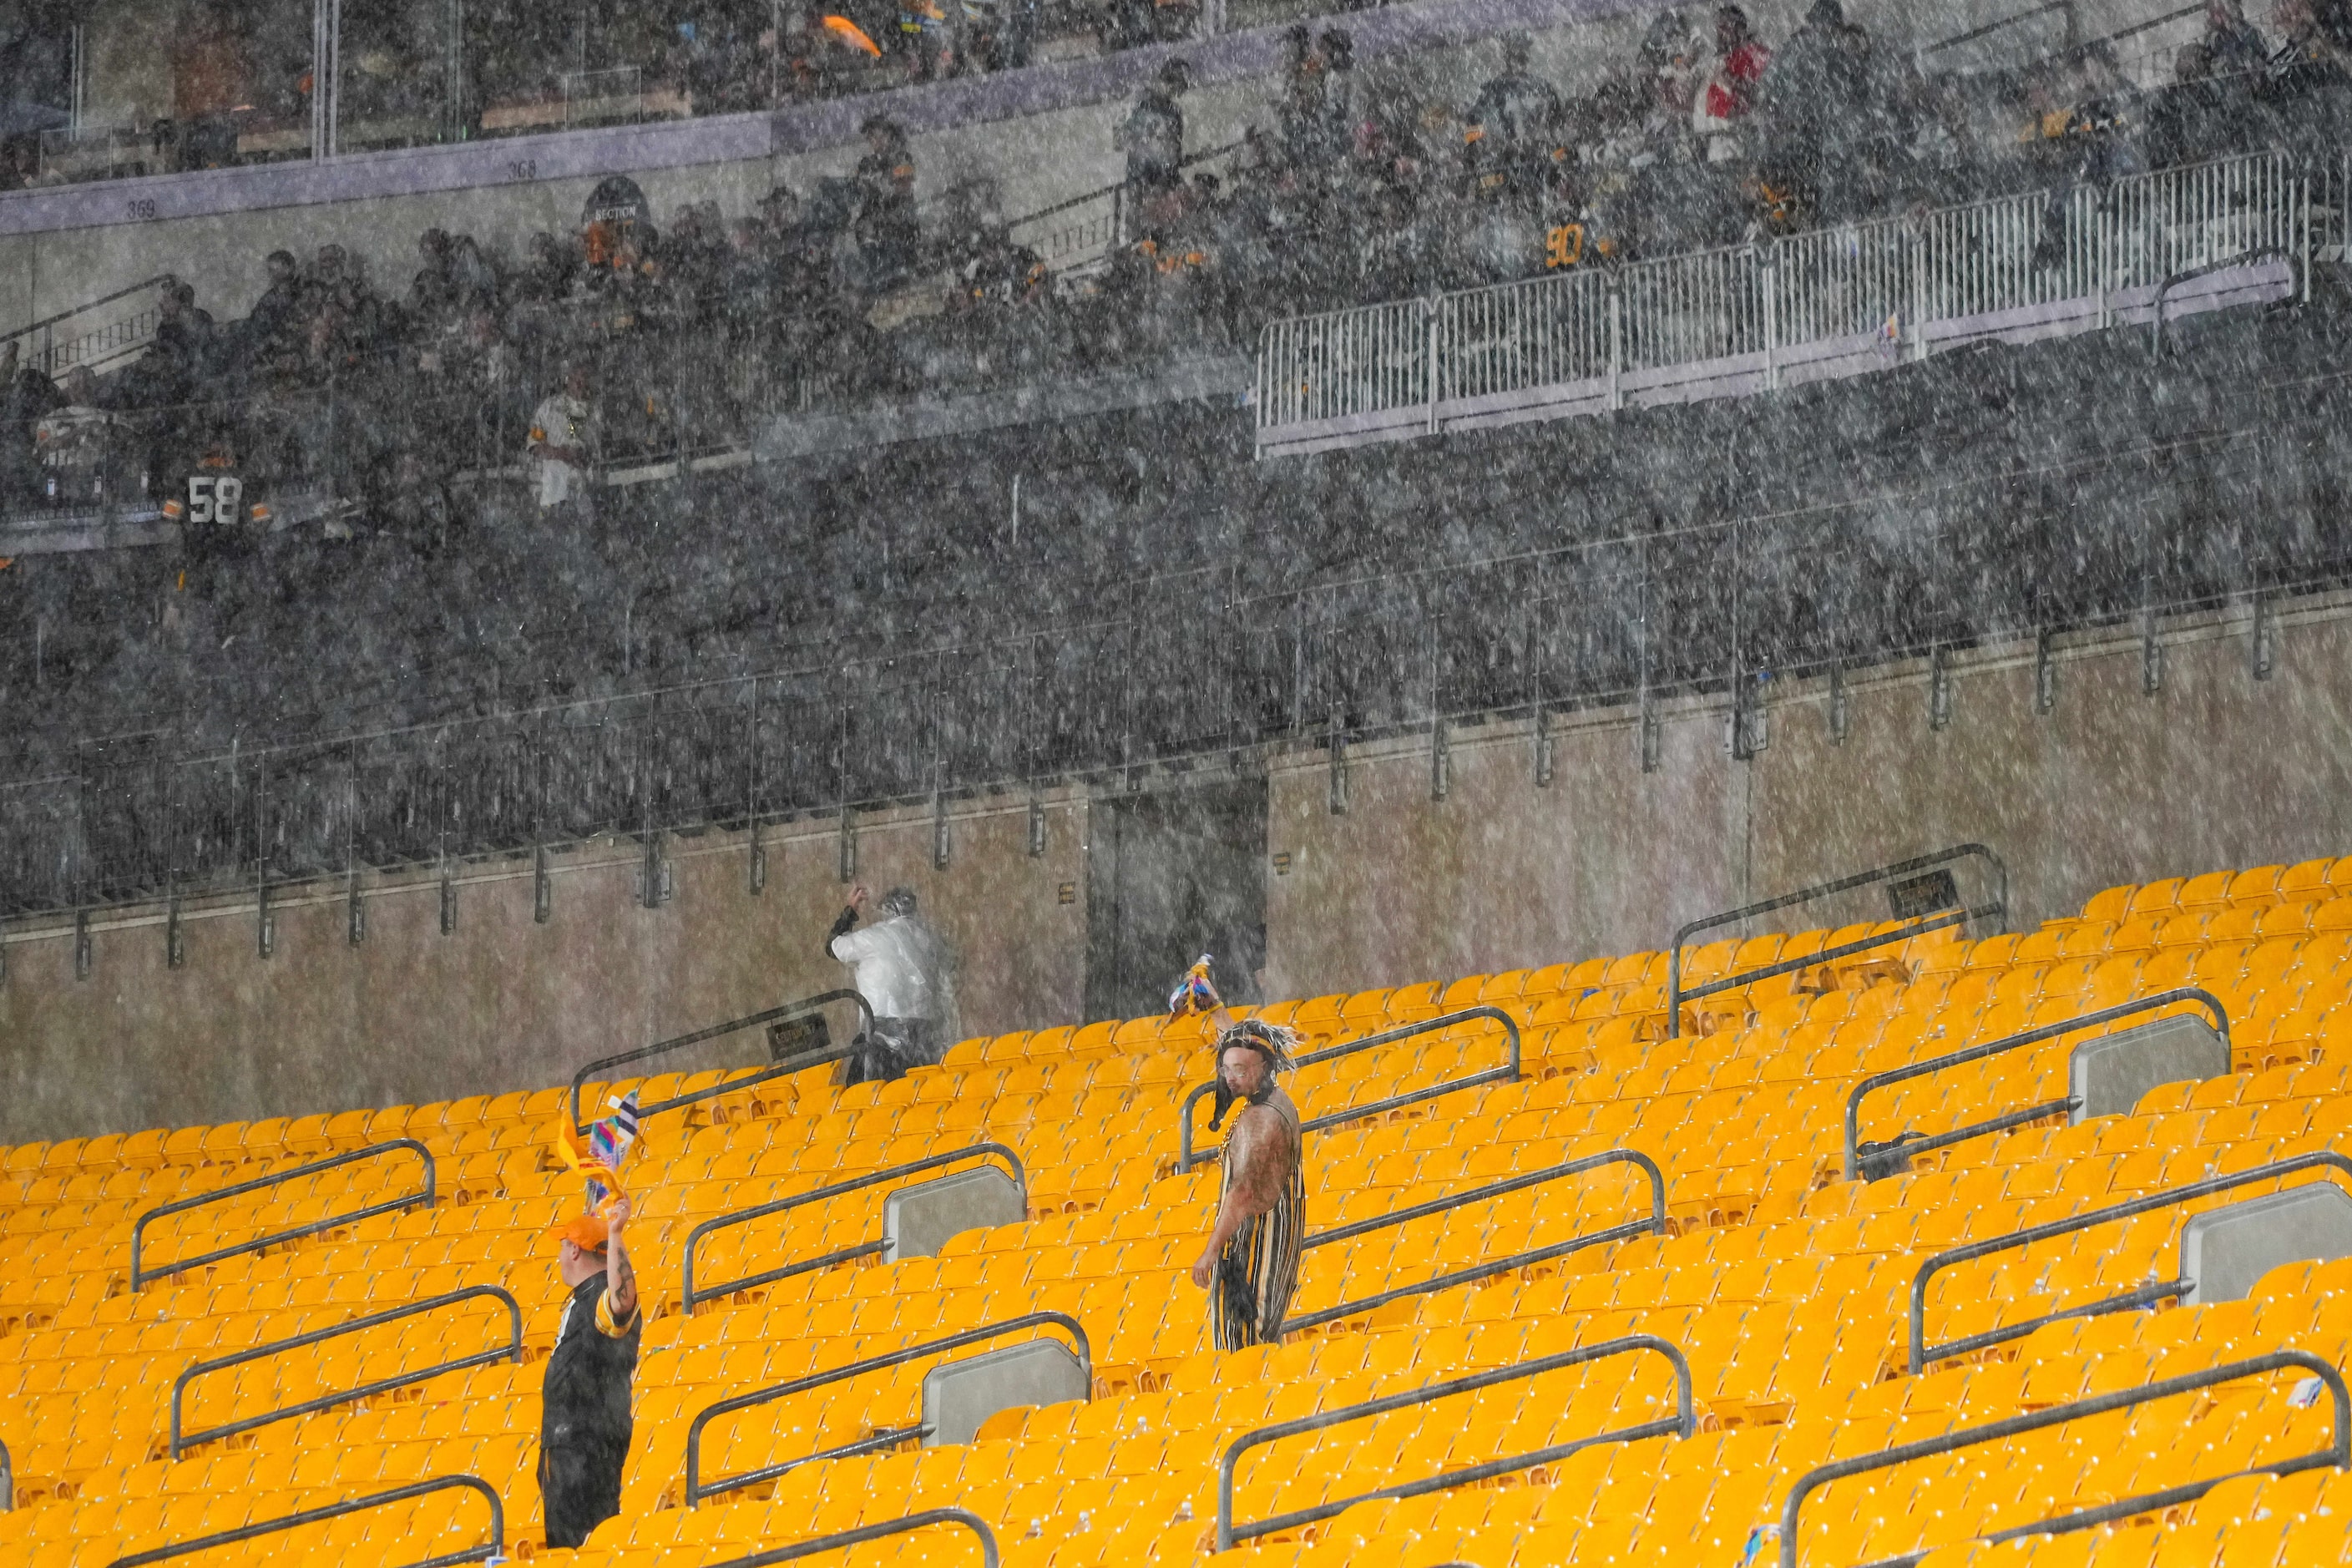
{"x":620,"y":1303}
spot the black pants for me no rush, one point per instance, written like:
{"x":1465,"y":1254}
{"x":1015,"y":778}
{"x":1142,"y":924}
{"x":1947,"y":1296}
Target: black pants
{"x":581,"y":1489}
{"x":891,"y":1047}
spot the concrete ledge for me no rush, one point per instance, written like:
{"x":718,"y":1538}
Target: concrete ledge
{"x":2226,"y":1252}
{"x":2110,"y":1074}
{"x":959,"y":1397}
{"x":916,"y":1221}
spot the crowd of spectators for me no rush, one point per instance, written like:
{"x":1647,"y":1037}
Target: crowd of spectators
{"x":330,"y":380}
{"x":243,"y":81}
{"x":1705,"y":135}
{"x":655,"y":343}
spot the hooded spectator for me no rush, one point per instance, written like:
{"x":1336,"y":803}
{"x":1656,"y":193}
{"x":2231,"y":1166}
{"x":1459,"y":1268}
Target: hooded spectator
{"x":888,"y":231}
{"x":2230,"y":46}
{"x":1740,"y":60}
{"x":1509,"y":131}
{"x":1810,"y":100}
{"x":1153,"y":136}
{"x":74,"y":442}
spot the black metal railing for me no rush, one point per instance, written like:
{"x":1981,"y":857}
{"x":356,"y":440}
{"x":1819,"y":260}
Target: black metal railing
{"x":801,"y":1009}
{"x":1653,"y":1226}
{"x":141,"y":1275}
{"x":512,"y":1351}
{"x":1508,"y":1073}
{"x":2338,"y":1452}
{"x":492,"y":1550}
{"x":865,"y":1532}
{"x":695,"y":1488}
{"x":1676,"y":994}
{"x":1891,"y":1156}
{"x":2147,"y":1295}
{"x":46,"y":358}
{"x":695,"y":1293}
{"x":1681,"y":1424}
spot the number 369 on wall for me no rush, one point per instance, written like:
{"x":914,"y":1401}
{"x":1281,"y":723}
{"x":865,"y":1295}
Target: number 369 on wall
{"x":214,"y":498}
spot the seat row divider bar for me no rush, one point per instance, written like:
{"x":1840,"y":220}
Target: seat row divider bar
{"x":2338,"y":1452}
{"x":695,"y":1491}
{"x":1857,"y":1153}
{"x":1676,"y":996}
{"x":492,"y":1550}
{"x":2146,"y":1295}
{"x":1682,"y":1424}
{"x":693,"y":1294}
{"x":511,"y":1352}
{"x":141,"y":1275}
{"x":865,"y":1532}
{"x":1653,"y":1226}
{"x":807,"y":1004}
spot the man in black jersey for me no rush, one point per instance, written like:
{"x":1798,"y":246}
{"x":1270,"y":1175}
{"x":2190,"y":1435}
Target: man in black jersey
{"x":585,"y":1422}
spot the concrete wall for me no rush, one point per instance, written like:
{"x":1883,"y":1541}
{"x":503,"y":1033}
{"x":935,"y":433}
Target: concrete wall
{"x":502,"y":1003}
{"x":2113,"y":786}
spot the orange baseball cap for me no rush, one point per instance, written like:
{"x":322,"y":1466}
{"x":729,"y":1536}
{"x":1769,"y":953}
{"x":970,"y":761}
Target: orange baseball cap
{"x":588,"y":1232}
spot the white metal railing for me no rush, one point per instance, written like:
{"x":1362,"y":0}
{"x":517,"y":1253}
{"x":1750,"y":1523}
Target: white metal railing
{"x":1726,"y":323}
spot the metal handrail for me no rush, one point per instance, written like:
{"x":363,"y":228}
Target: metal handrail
{"x":511,"y":1352}
{"x":772,"y":1015}
{"x":1857,"y":1154}
{"x":865,"y":1532}
{"x":694,"y":1294}
{"x":2146,"y":1295}
{"x":2202,"y":269}
{"x":1681,"y":1424}
{"x":1995,"y":25}
{"x":1066,"y":203}
{"x":31,"y":327}
{"x":494,"y":1550}
{"x":139,"y":1276}
{"x":1186,"y":1160}
{"x":1655,"y":1225}
{"x":695,"y":1491}
{"x":2338,"y":1453}
{"x":8,"y":1480}
{"x":1677,"y":995}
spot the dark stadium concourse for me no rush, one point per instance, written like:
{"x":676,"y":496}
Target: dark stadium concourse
{"x":1086,"y":598}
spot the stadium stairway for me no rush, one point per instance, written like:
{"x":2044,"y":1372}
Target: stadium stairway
{"x":1786,"y":1286}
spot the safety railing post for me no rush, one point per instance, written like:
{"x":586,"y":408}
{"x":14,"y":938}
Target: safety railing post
{"x":1616,"y":346}
{"x":1430,"y":309}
